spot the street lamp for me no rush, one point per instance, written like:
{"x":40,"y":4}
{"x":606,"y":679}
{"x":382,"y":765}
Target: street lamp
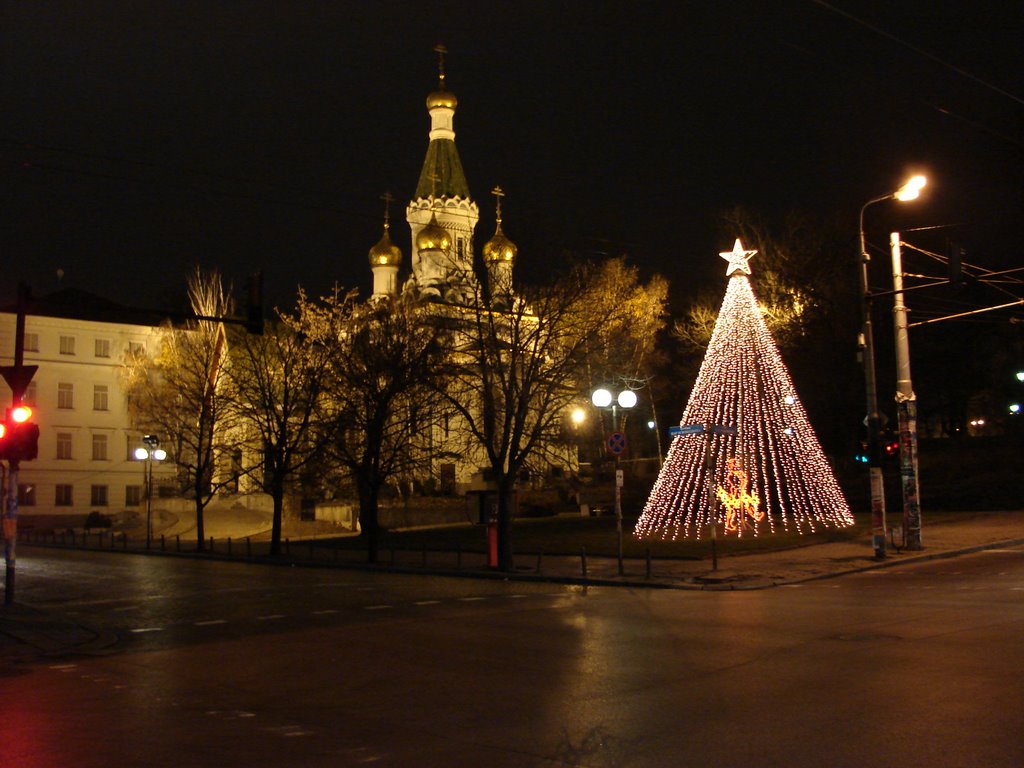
{"x":616,"y":442}
{"x":149,"y":454}
{"x":909,"y":191}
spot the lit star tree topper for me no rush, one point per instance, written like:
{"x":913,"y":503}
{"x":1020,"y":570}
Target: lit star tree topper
{"x":747,"y":456}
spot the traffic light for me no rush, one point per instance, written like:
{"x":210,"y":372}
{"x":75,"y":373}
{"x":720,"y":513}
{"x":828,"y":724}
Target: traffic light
{"x":19,"y":435}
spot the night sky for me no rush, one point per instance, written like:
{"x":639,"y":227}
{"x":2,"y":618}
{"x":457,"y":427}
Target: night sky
{"x":138,"y":139}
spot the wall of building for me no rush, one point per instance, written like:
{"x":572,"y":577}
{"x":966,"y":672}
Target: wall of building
{"x":86,"y":443}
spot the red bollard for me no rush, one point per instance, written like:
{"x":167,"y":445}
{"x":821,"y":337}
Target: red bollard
{"x":492,"y":545}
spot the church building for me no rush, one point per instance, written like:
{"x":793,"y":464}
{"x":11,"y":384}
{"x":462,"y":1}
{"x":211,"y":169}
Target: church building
{"x":442,"y":218}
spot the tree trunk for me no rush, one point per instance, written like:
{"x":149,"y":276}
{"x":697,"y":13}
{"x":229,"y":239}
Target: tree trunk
{"x":369,"y":520}
{"x":277,"y":494}
{"x":200,"y":528}
{"x":505,"y":512}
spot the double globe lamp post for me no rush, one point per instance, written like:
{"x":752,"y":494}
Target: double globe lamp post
{"x":152,"y":452}
{"x":626,"y":399}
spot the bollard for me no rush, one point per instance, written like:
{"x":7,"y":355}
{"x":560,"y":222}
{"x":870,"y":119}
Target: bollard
{"x":211,"y":545}
{"x":248,"y":547}
{"x":287,"y":547}
{"x":124,"y":541}
{"x":162,"y":544}
{"x":311,"y":549}
{"x":583,"y":561}
{"x":424,"y":554}
{"x":229,"y":546}
{"x":648,"y":562}
{"x":177,"y":538}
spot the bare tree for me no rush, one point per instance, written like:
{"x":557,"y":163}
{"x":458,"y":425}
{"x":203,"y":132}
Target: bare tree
{"x":377,"y":396}
{"x":275,"y":383}
{"x":176,"y":393}
{"x":514,"y":372}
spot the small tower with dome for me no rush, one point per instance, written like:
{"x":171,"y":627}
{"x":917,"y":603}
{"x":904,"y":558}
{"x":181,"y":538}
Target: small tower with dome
{"x":499,"y":258}
{"x":385,"y":258}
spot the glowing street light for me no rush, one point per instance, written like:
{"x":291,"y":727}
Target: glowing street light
{"x":149,"y":454}
{"x":626,"y":399}
{"x":909,"y":191}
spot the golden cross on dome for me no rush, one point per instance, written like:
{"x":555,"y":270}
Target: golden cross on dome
{"x":388,"y":199}
{"x":737,"y":259}
{"x":498,"y":193}
{"x":440,"y":50}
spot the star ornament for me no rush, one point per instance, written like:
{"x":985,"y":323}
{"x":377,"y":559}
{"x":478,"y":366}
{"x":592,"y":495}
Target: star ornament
{"x":737,"y":259}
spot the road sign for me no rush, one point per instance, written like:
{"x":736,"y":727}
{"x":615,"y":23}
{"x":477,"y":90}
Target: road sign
{"x":686,"y":429}
{"x":18,"y":377}
{"x":616,"y":443}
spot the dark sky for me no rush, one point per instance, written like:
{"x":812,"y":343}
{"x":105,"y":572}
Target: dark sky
{"x":140,"y":138}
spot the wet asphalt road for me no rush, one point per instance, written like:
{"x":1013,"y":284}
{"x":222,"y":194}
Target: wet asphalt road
{"x":226,"y":664}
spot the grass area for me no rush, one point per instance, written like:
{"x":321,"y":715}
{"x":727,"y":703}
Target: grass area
{"x":569,"y":534}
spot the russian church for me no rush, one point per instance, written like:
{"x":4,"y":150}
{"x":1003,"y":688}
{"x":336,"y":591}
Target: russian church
{"x":442,"y":217}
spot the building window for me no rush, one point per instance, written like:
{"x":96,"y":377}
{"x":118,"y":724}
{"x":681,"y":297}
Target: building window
{"x":67,"y":345}
{"x":132,"y":495}
{"x":30,"y":394}
{"x":99,"y":397}
{"x":26,"y":495}
{"x":66,"y":396}
{"x":98,"y":496}
{"x":63,"y":495}
{"x":102,"y":347}
{"x":31,"y":342}
{"x":136,"y":348}
{"x":99,"y":447}
{"x":63,"y":445}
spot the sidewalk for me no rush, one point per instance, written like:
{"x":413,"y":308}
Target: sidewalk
{"x":26,"y":631}
{"x":974,"y":532}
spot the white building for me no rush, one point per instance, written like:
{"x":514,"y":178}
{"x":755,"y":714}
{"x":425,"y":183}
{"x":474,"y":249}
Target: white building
{"x":86,"y":442}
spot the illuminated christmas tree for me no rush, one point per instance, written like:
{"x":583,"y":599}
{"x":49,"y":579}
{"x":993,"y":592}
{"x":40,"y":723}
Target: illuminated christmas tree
{"x":745,"y":456}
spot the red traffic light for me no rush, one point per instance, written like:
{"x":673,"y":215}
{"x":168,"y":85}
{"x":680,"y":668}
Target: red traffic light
{"x":19,"y":436}
{"x":20,"y":414}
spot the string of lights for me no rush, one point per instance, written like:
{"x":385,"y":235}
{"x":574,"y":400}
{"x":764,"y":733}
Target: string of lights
{"x":747,"y":455}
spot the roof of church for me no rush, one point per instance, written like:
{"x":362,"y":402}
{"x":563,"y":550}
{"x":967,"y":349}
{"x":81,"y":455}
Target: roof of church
{"x":442,"y":174}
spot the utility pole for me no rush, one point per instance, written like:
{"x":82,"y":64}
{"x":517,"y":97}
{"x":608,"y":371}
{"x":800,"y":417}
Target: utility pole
{"x":906,"y":407}
{"x":873,"y":420}
{"x":18,"y":377}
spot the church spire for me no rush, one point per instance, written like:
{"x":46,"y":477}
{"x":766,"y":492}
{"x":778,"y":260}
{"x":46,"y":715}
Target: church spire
{"x":442,"y":157}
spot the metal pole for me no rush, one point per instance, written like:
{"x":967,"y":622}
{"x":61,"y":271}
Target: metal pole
{"x":906,"y":407}
{"x":148,"y":472}
{"x":873,"y":420}
{"x":618,"y":493}
{"x":10,"y":531}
